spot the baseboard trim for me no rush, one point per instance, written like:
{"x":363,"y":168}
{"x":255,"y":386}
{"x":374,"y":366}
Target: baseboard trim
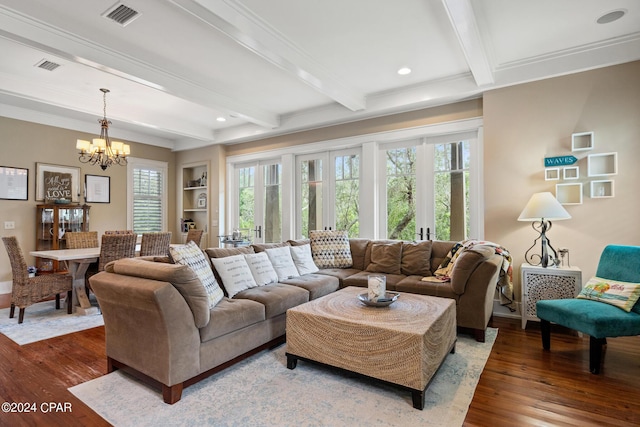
{"x":502,"y":311}
{"x":5,"y":287}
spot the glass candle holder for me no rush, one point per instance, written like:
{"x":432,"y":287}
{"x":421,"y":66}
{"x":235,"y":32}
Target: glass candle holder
{"x":377,"y":287}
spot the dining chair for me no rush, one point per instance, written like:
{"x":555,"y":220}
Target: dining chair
{"x":116,"y":246}
{"x":30,"y":290}
{"x":155,"y":243}
{"x":195,"y":235}
{"x":82,"y":239}
{"x":119,"y":232}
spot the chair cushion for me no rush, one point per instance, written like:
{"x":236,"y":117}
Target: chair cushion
{"x":590,"y":317}
{"x":623,"y":295}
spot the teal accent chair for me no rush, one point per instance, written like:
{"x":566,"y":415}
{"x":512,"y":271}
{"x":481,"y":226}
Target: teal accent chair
{"x":597,"y":319}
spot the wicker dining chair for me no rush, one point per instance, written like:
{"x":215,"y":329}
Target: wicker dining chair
{"x":82,"y":239}
{"x":155,"y":243}
{"x":116,"y":246}
{"x":119,"y":232}
{"x":195,"y":235}
{"x":30,"y":290}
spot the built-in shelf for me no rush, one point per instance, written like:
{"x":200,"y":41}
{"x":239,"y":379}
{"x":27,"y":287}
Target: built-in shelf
{"x":582,"y":141}
{"x":569,"y":194}
{"x":602,"y":189}
{"x":571,"y":172}
{"x":195,"y":188}
{"x":552,"y":174}
{"x":194,"y":211}
{"x":602,"y":164}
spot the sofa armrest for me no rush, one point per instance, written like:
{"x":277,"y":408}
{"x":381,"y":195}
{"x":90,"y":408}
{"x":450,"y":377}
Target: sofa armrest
{"x":475,"y":306}
{"x":148,"y":326}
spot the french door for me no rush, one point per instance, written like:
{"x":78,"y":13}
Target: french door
{"x":328,"y":192}
{"x":258,"y":201}
{"x":425,"y":190}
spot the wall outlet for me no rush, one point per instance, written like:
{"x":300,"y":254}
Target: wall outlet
{"x":9,"y":225}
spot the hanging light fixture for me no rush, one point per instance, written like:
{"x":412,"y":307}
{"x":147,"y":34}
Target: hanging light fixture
{"x":102,"y":151}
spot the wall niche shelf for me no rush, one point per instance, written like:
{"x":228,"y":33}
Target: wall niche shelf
{"x":569,"y":194}
{"x":602,"y":189}
{"x":602,"y":164}
{"x":571,"y":172}
{"x":552,"y":174}
{"x":582,"y":141}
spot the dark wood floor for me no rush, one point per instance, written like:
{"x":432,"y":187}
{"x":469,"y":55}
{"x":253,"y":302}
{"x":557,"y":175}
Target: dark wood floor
{"x":521,"y":385}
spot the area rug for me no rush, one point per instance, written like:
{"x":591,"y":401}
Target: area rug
{"x":42,"y":321}
{"x":261,"y":391}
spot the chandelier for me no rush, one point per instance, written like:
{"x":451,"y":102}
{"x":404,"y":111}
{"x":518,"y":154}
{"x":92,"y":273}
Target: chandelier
{"x":102,"y":151}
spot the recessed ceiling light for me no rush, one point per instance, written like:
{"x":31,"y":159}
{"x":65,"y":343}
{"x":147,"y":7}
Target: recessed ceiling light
{"x":221,"y":119}
{"x":611,"y":16}
{"x":404,"y":71}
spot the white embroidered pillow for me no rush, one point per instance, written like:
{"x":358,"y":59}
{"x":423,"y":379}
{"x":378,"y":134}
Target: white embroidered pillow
{"x":282,"y":262}
{"x":261,"y":268}
{"x":192,"y":256}
{"x":235,"y":274}
{"x":302,"y":259}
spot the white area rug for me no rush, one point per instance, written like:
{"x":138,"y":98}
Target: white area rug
{"x":261,"y":391}
{"x":43,"y":321}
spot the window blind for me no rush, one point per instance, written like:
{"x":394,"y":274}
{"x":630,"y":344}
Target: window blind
{"x":147,"y":200}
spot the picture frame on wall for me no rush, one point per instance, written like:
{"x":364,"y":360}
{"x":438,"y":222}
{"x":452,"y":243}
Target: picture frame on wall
{"x":14,"y":183}
{"x":57,"y":183}
{"x":97,"y":189}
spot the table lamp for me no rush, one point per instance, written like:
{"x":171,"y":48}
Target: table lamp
{"x":541,"y":209}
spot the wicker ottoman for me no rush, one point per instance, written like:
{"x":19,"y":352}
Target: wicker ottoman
{"x":403,"y":344}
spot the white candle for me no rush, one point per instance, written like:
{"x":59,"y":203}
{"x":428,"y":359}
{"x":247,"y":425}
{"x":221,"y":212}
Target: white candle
{"x":377,"y":287}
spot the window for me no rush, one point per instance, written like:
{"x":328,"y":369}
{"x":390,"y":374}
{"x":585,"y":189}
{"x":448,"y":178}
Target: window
{"x":147,"y":189}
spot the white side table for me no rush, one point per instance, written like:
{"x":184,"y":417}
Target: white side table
{"x":540,"y":283}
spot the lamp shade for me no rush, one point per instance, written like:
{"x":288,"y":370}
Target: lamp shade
{"x":543,"y":206}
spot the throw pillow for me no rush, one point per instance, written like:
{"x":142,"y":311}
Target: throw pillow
{"x":191,"y":255}
{"x":385,"y":258}
{"x":261,"y":268}
{"x":282,"y":262}
{"x":416,"y":258}
{"x":330,"y":249}
{"x":235,"y":274}
{"x":623,"y":295}
{"x":302,"y":259}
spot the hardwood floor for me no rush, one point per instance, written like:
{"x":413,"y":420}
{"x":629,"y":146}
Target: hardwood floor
{"x":521,"y":385}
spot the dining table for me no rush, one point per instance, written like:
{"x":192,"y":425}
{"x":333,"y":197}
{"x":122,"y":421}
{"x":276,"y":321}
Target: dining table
{"x":78,"y":260}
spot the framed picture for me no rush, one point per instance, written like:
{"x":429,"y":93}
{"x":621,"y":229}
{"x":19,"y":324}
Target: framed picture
{"x":55,"y":182}
{"x":202,"y":201}
{"x":97,"y":189}
{"x":14,"y":183}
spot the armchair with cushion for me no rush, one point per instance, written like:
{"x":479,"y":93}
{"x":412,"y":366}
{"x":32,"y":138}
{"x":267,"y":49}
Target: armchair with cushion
{"x":605,"y":308}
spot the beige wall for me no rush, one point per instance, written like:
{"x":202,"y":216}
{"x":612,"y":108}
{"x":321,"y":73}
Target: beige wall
{"x":525,"y":123}
{"x":23,"y":144}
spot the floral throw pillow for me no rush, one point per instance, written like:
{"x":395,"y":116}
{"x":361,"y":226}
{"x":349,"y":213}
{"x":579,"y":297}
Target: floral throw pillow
{"x":191,"y":255}
{"x":623,"y":295}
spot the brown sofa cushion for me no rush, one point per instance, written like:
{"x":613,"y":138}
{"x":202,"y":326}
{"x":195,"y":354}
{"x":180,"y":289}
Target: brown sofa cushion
{"x":182,"y":277}
{"x":416,"y":258}
{"x":466,"y":263}
{"x":261,"y":247}
{"x":224,"y":252}
{"x":385,"y":258}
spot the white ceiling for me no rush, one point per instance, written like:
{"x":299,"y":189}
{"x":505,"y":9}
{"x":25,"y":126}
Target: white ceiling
{"x":277,"y":66}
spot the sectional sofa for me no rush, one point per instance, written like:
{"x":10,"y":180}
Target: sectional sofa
{"x":162,"y":325}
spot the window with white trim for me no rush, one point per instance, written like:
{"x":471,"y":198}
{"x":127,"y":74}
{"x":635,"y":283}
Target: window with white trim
{"x":147,"y":189}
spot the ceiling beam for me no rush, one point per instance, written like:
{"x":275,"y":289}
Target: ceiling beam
{"x":58,"y":42}
{"x":250,"y":31}
{"x":465,"y":26}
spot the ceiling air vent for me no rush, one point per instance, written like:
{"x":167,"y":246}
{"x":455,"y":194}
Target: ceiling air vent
{"x":47,"y":65}
{"x":121,"y":14}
